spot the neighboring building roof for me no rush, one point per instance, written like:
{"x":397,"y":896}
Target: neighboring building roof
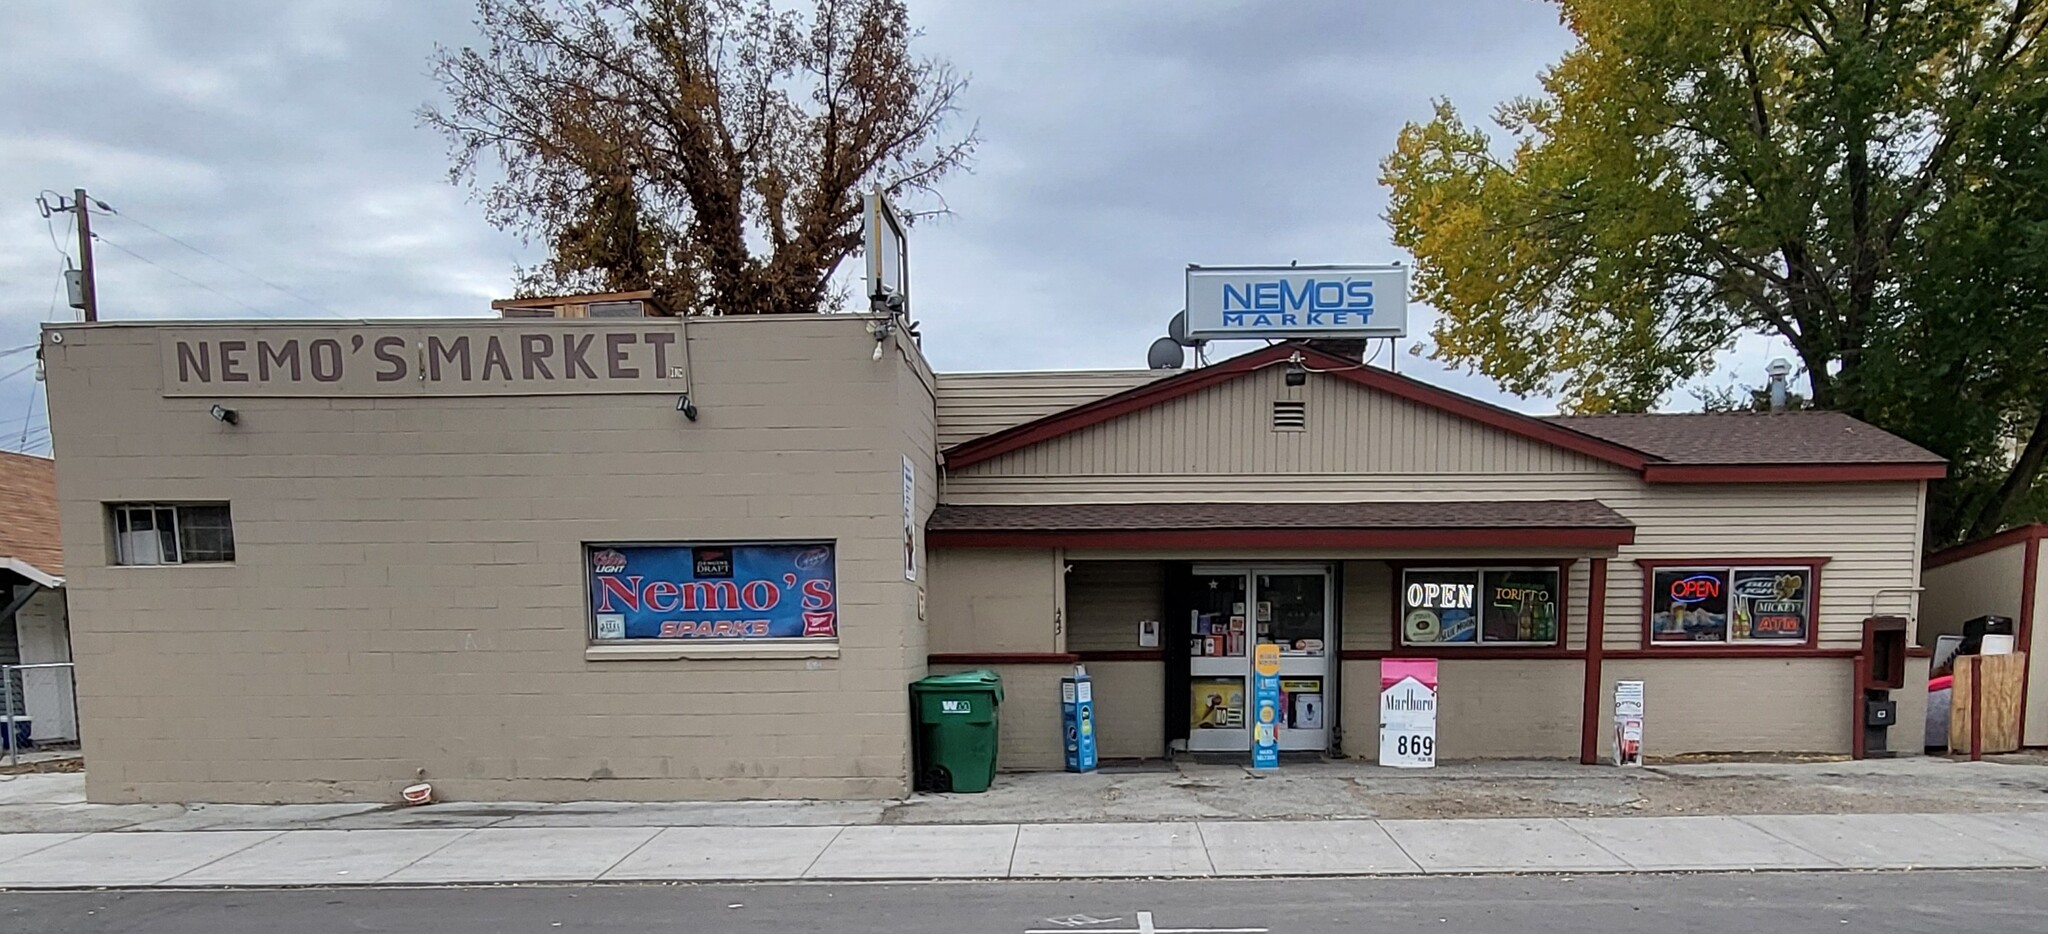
{"x":1752,"y":448}
{"x":971,"y":405}
{"x":29,"y":542}
{"x":1563,"y":523}
{"x":1804,"y":437}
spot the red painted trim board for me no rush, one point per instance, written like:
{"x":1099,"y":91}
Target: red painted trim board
{"x":1791,"y":473}
{"x":1596,"y":625}
{"x":1286,"y":538}
{"x":1002,"y":658}
{"x":2007,"y":538}
{"x":1813,"y":563}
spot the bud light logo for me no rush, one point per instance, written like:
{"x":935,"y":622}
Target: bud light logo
{"x":607,"y":562}
{"x":813,"y":559}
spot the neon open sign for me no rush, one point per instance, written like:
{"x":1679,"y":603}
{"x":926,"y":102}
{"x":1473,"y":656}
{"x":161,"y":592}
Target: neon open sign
{"x":1696,"y":588}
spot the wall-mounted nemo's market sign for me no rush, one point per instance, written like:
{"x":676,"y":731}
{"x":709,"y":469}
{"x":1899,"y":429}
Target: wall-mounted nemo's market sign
{"x":761,"y":591}
{"x":487,"y":357}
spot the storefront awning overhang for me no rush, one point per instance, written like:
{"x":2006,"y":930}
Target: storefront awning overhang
{"x":1498,"y":524}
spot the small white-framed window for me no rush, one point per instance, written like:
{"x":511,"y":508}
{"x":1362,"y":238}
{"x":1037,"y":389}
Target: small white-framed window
{"x":172,"y":533}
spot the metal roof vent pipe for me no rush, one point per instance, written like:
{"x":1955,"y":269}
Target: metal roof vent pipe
{"x":1779,"y":370}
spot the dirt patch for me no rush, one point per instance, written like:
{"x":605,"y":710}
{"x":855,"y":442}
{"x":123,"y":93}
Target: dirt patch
{"x":49,"y":765}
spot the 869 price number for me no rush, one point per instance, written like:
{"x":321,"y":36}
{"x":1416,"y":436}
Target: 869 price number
{"x":1419,"y":746}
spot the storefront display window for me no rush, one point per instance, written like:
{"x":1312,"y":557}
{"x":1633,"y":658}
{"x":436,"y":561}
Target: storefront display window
{"x":743,"y":592}
{"x":1480,"y":606}
{"x":1730,"y":603}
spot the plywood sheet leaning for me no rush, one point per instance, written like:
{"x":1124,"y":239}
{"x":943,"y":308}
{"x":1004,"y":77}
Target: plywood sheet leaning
{"x":1989,"y":685}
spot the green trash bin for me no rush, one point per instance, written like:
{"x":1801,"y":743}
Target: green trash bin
{"x":955,"y":719}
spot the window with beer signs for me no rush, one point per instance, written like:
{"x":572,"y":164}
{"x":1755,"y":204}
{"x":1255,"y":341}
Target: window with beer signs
{"x":702,"y":592}
{"x":1499,"y":606}
{"x":1761,"y":603}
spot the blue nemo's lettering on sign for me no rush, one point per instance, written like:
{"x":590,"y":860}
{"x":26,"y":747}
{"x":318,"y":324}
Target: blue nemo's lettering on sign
{"x":1304,"y":302}
{"x":1231,"y":302}
{"x":767,"y":591}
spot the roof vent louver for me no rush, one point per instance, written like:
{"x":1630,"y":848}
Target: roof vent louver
{"x":1290,"y":415}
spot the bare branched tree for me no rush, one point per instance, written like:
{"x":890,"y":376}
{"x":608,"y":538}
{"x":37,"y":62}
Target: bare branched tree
{"x":712,"y":150}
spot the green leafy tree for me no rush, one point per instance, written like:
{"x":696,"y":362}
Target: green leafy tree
{"x":712,"y":150}
{"x":1696,"y":171}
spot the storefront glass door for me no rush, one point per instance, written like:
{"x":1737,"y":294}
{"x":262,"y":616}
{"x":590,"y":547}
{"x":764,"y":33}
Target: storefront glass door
{"x":1235,"y":608}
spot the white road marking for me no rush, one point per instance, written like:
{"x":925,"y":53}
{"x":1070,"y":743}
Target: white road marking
{"x":1145,"y":926}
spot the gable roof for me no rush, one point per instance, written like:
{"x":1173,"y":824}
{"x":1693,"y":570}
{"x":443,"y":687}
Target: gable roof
{"x":1680,"y":448}
{"x":29,"y":543}
{"x":1811,"y":436}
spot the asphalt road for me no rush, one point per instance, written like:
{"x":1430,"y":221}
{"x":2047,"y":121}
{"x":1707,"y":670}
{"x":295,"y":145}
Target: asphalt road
{"x":1778,"y":903}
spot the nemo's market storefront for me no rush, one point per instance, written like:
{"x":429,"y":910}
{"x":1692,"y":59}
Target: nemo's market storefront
{"x":1154,"y":530}
{"x":669,"y":557}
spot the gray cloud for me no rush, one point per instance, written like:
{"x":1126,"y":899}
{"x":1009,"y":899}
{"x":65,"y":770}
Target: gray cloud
{"x":1123,"y":142}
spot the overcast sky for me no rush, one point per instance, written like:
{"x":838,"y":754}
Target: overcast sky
{"x":1122,"y":142}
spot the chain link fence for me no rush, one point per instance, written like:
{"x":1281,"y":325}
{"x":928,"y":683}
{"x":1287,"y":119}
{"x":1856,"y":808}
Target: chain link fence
{"x":40,"y":707}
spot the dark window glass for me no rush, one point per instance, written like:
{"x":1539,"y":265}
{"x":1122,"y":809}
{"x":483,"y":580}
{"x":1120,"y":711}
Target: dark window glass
{"x":1689,"y":605}
{"x":1519,"y":606}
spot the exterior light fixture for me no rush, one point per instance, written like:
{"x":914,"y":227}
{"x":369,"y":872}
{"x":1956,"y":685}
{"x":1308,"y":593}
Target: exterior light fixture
{"x":224,"y":415}
{"x":685,"y":406}
{"x":1296,"y":373}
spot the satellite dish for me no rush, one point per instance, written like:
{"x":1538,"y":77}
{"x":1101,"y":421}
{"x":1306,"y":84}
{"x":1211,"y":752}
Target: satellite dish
{"x":1166,"y":354}
{"x":1177,"y":330}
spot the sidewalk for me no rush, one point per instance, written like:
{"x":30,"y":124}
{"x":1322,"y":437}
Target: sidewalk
{"x":1311,"y":819}
{"x":514,"y":854}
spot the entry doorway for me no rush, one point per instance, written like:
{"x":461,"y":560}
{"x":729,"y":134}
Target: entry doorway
{"x":1235,"y":607}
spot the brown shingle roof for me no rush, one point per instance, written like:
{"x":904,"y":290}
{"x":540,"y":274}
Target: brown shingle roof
{"x":1510,"y":514}
{"x":28,"y":512}
{"x":1726,"y":438}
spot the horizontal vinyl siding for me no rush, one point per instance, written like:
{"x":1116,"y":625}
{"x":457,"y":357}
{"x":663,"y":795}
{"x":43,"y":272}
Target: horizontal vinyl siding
{"x":1228,"y":430}
{"x":974,"y":404}
{"x":1361,"y":445}
{"x":1869,"y":531}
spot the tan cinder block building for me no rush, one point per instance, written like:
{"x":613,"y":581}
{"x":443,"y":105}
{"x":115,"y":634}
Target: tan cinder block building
{"x":702,"y":558}
{"x":406,"y":591}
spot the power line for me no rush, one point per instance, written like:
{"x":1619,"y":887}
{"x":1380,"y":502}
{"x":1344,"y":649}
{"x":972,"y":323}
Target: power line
{"x":18,"y":371}
{"x":147,"y":261}
{"x":146,"y":226}
{"x":30,"y":415}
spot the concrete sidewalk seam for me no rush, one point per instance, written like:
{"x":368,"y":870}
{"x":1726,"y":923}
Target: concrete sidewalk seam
{"x":1747,"y":820}
{"x":1203,"y":839}
{"x":253,"y":843}
{"x":451,"y":842}
{"x":629,"y":855}
{"x":813,"y":864}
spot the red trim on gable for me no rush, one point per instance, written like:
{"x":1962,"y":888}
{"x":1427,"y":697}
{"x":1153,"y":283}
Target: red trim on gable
{"x":2006,"y":539}
{"x":1287,"y":538}
{"x":1144,"y":397}
{"x":1790,"y":473}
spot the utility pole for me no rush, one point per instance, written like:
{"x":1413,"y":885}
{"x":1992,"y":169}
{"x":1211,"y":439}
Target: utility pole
{"x":87,"y":287}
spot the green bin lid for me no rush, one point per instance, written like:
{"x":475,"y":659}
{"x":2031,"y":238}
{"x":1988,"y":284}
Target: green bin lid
{"x":978,"y":679}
